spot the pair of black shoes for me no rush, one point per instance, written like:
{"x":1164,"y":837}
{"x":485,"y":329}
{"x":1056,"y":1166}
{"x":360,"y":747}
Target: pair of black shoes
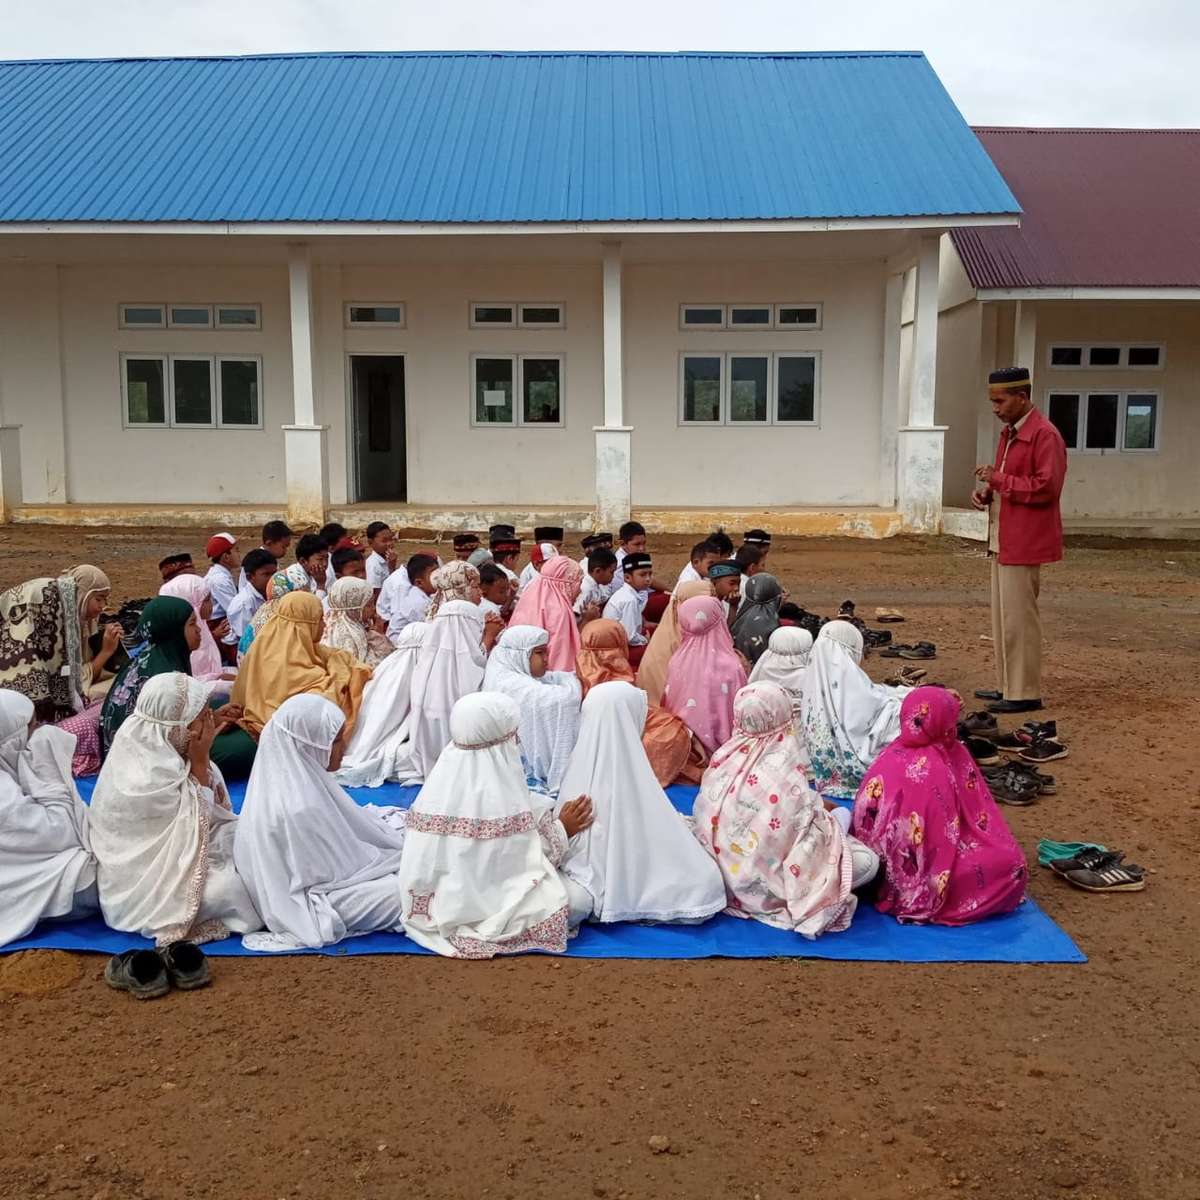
{"x":998,"y":704}
{"x":148,"y":974}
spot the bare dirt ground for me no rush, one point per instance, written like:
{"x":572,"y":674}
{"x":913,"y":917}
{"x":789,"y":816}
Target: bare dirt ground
{"x":401,"y":1076}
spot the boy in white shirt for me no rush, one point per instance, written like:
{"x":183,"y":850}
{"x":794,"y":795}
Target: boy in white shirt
{"x":260,"y":566}
{"x":312,"y":553}
{"x":543,"y":535}
{"x":465,"y":544}
{"x":276,"y":541}
{"x":628,"y":602}
{"x":598,"y":585}
{"x":726,"y":578}
{"x":222,"y":583}
{"x":381,"y":561}
{"x":506,"y":549}
{"x":594,"y":541}
{"x":703,"y":555}
{"x":496,"y":591}
{"x":414,"y":603}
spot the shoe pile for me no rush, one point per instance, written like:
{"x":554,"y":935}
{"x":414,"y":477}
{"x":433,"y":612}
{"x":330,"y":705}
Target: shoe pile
{"x":1035,"y":742}
{"x":1017,"y":784}
{"x":906,"y":677}
{"x":1095,"y":869}
{"x":148,"y":974}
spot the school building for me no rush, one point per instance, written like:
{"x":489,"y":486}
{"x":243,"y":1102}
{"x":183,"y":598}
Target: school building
{"x":441,"y":286}
{"x":1098,"y":293}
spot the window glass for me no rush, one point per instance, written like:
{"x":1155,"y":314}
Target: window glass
{"x":376,"y":314}
{"x":192,"y":378}
{"x":795,"y":388}
{"x":750,"y":315}
{"x":145,"y":392}
{"x":702,"y":387}
{"x":237,"y":315}
{"x":1102,"y":421}
{"x":1063,"y":411}
{"x":493,"y":314}
{"x":695,"y":315}
{"x":1104,"y":356}
{"x":1141,"y":418}
{"x":1066,"y":356}
{"x":541,"y":381}
{"x":239,"y":391}
{"x":748,"y":387}
{"x":1144,"y":356}
{"x":537,"y":314}
{"x":494,"y":391}
{"x":799,"y":315}
{"x":187,"y":314}
{"x":143,"y":314}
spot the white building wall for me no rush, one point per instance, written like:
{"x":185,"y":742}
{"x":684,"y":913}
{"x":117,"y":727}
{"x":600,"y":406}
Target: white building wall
{"x":835,"y":463}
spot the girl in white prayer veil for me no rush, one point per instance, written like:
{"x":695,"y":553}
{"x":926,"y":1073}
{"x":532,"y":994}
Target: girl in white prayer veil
{"x":450,"y":665}
{"x":846,"y":719}
{"x":318,"y":866}
{"x":639,"y":860}
{"x":161,"y":825}
{"x":784,"y":661}
{"x":549,"y":701}
{"x":381,"y":747}
{"x":46,"y":864}
{"x":478,"y":873}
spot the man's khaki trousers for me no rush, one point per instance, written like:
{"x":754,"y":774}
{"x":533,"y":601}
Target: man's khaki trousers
{"x":1017,"y":631}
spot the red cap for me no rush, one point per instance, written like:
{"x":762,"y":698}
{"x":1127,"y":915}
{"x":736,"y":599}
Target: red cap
{"x":219,"y":543}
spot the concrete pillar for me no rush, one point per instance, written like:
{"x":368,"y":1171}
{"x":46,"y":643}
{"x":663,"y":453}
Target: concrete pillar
{"x":921,"y":447}
{"x":10,"y":471}
{"x":1025,"y":338}
{"x":890,"y":419}
{"x":304,"y":447}
{"x":614,"y":439}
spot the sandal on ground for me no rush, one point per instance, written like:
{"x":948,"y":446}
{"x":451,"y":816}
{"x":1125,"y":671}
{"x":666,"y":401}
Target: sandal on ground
{"x":141,"y":973}
{"x":1046,"y":783}
{"x":186,"y":965}
{"x":1043,"y":751}
{"x":1111,"y":877}
{"x":888,"y":616}
{"x":920,"y":650}
{"x":1050,"y":851}
{"x":982,"y":751}
{"x":1013,"y":788}
{"x":906,"y":677}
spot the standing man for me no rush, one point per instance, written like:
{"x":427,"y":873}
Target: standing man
{"x":1020,"y":493}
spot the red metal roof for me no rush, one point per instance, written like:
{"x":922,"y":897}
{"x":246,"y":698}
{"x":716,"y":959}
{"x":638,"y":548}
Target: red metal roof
{"x":1100,"y":208}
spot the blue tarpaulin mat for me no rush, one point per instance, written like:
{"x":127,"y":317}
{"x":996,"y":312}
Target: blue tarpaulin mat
{"x":1027,"y":935}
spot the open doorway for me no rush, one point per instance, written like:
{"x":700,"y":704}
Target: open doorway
{"x":380,"y":461}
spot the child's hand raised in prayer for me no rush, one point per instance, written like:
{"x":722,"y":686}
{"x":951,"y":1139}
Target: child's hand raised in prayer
{"x":221,"y":630}
{"x":493,"y":627}
{"x":589,"y":612}
{"x":576,"y":815}
{"x":111,"y":639}
{"x":201,"y":732}
{"x":228,"y":714}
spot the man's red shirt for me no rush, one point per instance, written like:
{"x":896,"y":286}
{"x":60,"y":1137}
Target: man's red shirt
{"x":1029,"y":488}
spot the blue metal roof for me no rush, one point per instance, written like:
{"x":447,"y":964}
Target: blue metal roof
{"x":487,"y":137}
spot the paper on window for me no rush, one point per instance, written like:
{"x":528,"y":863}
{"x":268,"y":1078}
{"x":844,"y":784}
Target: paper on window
{"x":493,"y":399}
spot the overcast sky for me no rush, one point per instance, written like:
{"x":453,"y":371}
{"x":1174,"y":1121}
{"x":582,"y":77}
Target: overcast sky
{"x":1006,"y":62}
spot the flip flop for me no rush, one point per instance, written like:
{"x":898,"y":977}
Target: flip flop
{"x":888,"y":616}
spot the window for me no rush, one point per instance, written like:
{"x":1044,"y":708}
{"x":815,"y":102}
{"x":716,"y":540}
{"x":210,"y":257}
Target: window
{"x":1106,"y":422}
{"x":143,"y":316}
{"x":798,"y":316}
{"x":239,"y":316}
{"x":749,"y":389}
{"x":541,"y":316}
{"x":493,"y":316}
{"x":702,"y":316}
{"x":374,"y":315}
{"x":239,"y":388}
{"x":749,"y":376}
{"x":191,"y":391}
{"x":796,"y":389}
{"x":536,"y":379}
{"x":189,"y":316}
{"x":749,"y":316}
{"x":144,"y":383}
{"x":1146,"y":356}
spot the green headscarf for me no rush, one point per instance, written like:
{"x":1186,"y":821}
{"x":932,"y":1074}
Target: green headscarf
{"x":165,"y":648}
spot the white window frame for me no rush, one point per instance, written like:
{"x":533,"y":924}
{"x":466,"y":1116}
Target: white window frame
{"x":350,"y":323}
{"x":171,"y":324}
{"x":237,"y":328}
{"x":1122,"y":364}
{"x":126,"y":423}
{"x":518,"y":360}
{"x":1122,"y":405}
{"x":124,"y":304}
{"x":561,"y":323}
{"x":768,"y":308}
{"x":814,"y":304}
{"x":477,"y":304}
{"x":706,"y":326}
{"x":212,"y":391}
{"x":218,"y":359}
{"x":725,"y":419}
